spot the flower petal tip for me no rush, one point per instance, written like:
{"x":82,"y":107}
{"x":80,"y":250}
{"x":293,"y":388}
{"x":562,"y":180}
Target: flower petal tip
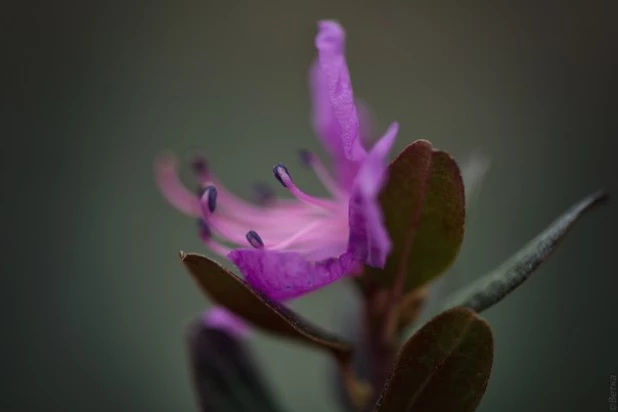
{"x":331,"y":35}
{"x":389,"y":137}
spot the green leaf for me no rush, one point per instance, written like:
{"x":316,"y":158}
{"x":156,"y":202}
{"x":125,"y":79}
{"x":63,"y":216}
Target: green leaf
{"x":237,"y":296}
{"x":225,"y":376}
{"x":423,"y":204}
{"x":493,"y":287}
{"x":444,"y":367}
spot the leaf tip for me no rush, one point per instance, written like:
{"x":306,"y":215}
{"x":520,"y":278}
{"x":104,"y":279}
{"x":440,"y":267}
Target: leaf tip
{"x":600,"y":197}
{"x":187,"y":258}
{"x":422,"y":142}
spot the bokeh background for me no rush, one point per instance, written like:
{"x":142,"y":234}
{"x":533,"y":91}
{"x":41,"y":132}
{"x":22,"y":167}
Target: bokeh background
{"x":96,"y":301}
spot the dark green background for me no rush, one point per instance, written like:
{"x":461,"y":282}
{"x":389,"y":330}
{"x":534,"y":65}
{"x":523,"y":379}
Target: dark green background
{"x":96,"y":301}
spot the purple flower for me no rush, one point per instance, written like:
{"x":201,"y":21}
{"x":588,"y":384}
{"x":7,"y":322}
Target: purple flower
{"x":288,"y":247}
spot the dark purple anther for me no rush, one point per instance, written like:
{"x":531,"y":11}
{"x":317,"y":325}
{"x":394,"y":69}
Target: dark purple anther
{"x":306,"y":157}
{"x":211,"y":192}
{"x":203,"y":229}
{"x":282,"y":174}
{"x":199,"y":165}
{"x":262,"y":193}
{"x":254,"y":239}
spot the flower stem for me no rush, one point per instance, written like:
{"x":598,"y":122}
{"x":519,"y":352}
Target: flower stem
{"x":382,"y":351}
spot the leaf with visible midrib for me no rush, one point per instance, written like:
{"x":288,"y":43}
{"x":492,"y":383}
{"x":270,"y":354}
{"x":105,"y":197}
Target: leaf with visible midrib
{"x":493,"y":287}
{"x":423,"y":204}
{"x":237,"y":296}
{"x":444,"y":367}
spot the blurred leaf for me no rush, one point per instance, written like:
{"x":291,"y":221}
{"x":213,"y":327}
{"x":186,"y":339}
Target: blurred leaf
{"x":236,"y":295}
{"x":493,"y":287}
{"x":444,"y":367}
{"x":225,"y":376}
{"x":424,"y":210}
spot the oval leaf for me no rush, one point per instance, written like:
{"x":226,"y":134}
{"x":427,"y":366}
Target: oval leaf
{"x":225,"y":376}
{"x":237,"y":296}
{"x":495,"y":286}
{"x":444,"y":367}
{"x":423,"y":204}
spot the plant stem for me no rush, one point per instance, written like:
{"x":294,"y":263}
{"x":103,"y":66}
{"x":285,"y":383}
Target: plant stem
{"x":381,"y":351}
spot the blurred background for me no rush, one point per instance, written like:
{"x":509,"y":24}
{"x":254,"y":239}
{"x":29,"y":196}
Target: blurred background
{"x":95,"y":300}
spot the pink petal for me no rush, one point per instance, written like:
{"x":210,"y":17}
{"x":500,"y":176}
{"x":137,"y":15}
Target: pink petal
{"x":334,"y":79}
{"x":286,"y":275}
{"x":328,"y":130}
{"x":368,"y":240}
{"x":322,"y":116}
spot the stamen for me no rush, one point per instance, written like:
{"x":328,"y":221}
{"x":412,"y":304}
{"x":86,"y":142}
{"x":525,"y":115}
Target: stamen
{"x":210,"y":198}
{"x":233,"y":205}
{"x":172,"y":188}
{"x":262,"y":193}
{"x":298,"y":223}
{"x":283,"y":176}
{"x":217,"y":247}
{"x":205,"y":179}
{"x":224,"y":227}
{"x":313,"y":235}
{"x":200,"y":166}
{"x":204,"y":230}
{"x":299,"y":234}
{"x":310,"y":160}
{"x":206,"y":236}
{"x":306,"y":157}
{"x":232,"y":228}
{"x":280,"y":224}
{"x":255,"y":240}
